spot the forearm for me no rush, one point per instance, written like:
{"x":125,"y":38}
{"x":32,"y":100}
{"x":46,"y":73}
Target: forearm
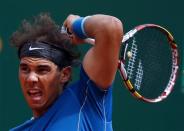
{"x":104,"y":27}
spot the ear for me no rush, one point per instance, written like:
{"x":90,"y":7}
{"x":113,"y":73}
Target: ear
{"x":66,"y":74}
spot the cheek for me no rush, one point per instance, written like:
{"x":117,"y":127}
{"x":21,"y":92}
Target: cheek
{"x":55,"y":79}
{"x":53,"y":86}
{"x":22,"y":79}
{"x":51,"y":92}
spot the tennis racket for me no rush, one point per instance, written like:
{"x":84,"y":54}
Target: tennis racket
{"x":148,"y":62}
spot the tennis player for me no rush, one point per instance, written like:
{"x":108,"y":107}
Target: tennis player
{"x":46,"y":57}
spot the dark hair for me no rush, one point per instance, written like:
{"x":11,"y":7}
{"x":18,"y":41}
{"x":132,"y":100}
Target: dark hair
{"x":43,"y":28}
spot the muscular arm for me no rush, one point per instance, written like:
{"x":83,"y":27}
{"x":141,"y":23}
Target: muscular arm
{"x":101,"y":61}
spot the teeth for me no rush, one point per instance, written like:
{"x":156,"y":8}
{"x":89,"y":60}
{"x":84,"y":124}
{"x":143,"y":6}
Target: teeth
{"x":34,"y":93}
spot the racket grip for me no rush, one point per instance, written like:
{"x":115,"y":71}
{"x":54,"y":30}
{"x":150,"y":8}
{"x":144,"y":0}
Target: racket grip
{"x":89,"y":41}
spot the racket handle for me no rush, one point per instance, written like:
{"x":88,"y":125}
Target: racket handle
{"x":90,"y":41}
{"x":87,"y":40}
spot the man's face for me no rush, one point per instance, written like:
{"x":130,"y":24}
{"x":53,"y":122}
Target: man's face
{"x":41,"y":83}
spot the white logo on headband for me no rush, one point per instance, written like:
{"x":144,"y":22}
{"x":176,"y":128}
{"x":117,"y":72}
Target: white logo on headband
{"x":34,"y":48}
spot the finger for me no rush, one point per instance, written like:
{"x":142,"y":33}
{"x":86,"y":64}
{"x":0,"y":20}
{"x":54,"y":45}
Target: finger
{"x":67,"y":21}
{"x":69,"y":32}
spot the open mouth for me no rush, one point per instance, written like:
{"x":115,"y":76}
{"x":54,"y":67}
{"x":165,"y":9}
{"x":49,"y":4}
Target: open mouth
{"x":35,"y":94}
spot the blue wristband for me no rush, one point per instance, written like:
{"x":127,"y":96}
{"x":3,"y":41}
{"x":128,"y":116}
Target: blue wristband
{"x":78,"y":27}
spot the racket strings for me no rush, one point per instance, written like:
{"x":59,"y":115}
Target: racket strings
{"x":139,"y":76}
{"x":160,"y":65}
{"x":149,"y":67}
{"x":131,"y":62}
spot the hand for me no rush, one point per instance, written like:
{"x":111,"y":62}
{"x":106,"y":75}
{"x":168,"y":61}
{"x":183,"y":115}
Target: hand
{"x":68,"y":25}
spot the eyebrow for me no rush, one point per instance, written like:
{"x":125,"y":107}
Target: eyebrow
{"x":22,"y":64}
{"x":43,"y":66}
{"x":38,"y":65}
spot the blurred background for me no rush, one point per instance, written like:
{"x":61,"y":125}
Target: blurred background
{"x":129,"y":114}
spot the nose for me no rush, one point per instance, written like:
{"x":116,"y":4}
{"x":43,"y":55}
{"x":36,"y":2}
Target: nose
{"x":32,"y":77}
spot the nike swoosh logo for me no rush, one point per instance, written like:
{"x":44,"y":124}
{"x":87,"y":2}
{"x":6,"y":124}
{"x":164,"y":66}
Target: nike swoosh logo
{"x":35,"y":48}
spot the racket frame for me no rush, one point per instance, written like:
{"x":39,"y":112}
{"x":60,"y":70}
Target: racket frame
{"x":175,"y":63}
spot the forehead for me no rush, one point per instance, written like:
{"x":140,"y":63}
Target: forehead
{"x":36,"y":61}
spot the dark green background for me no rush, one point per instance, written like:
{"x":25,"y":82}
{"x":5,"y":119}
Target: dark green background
{"x":129,"y":114}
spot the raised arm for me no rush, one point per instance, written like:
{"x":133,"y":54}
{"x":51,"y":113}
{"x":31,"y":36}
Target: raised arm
{"x":101,"y":61}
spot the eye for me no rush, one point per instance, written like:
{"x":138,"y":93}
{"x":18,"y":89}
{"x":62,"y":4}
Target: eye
{"x":42,"y":69}
{"x":24,"y":68}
